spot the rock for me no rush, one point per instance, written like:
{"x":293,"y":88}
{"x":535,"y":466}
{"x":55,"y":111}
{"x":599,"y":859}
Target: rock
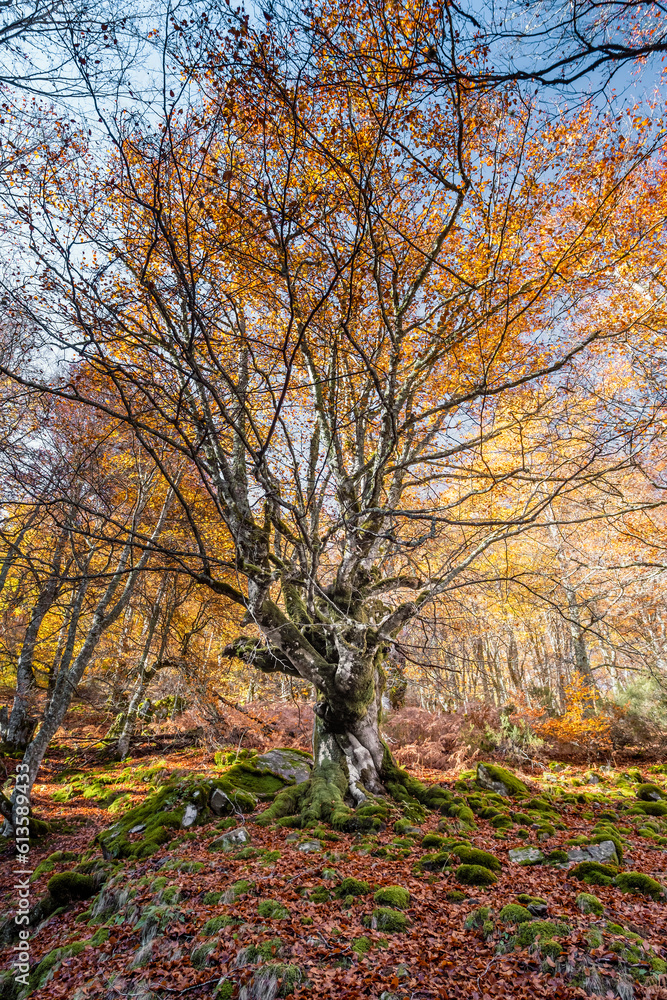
{"x":310,"y":846}
{"x":220,"y":803}
{"x":499,"y":780}
{"x":138,"y":828}
{"x":190,"y":815}
{"x":538,"y":909}
{"x":526,"y":856}
{"x":603,"y":853}
{"x":231,"y":839}
{"x":287,"y":764}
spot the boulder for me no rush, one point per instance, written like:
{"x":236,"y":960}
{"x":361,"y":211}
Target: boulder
{"x":604,"y":853}
{"x":310,"y":846}
{"x":526,"y":856}
{"x":219,"y":802}
{"x":499,"y":780}
{"x":231,"y":839}
{"x":290,"y":765}
{"x":190,"y":815}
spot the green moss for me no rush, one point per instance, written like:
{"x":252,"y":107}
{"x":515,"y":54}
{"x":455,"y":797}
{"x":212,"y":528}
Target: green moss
{"x":432,"y":840}
{"x":546,"y":930}
{"x":272,"y":909}
{"x":652,"y":808}
{"x":475,"y":856}
{"x":593,"y":873}
{"x":237,"y":889}
{"x":199,"y":955}
{"x":513,"y":913}
{"x":638,"y":882}
{"x":557,"y":857}
{"x":216,"y":924}
{"x":353,"y":887}
{"x":69,"y":886}
{"x":212,"y":898}
{"x":658,"y":965}
{"x":475,"y":875}
{"x":455,"y":896}
{"x":594,"y":937}
{"x":529,"y":900}
{"x":476,"y":918}
{"x":386,"y":919}
{"x":100,"y":936}
{"x":393,"y":895}
{"x":514,"y":785}
{"x":646,"y":791}
{"x":588,"y":903}
{"x":361,"y":945}
{"x":501,"y":822}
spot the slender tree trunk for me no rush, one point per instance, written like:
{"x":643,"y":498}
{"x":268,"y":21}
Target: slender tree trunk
{"x":145,"y":674}
{"x":21,"y":724}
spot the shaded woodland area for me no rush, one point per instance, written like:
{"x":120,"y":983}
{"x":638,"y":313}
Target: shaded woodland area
{"x":333,"y":409}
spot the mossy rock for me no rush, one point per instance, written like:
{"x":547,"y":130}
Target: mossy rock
{"x":588,"y":903}
{"x":272,"y":909}
{"x":386,"y":919}
{"x":639,"y":883}
{"x":475,"y":875}
{"x":353,"y":887}
{"x":433,"y":840}
{"x":546,"y":930}
{"x":67,"y":887}
{"x":649,"y":792}
{"x":455,"y":896}
{"x":501,"y":821}
{"x":475,"y":856}
{"x":651,"y":808}
{"x":500,"y":780}
{"x":593,"y":873}
{"x":557,"y":857}
{"x":394,"y":896}
{"x":514,"y":913}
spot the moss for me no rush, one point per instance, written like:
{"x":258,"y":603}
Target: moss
{"x":393,"y":895}
{"x":658,"y":965}
{"x":501,"y":822}
{"x":588,"y":903}
{"x":514,"y":785}
{"x":216,"y":924}
{"x":455,"y":896}
{"x":557,"y":857}
{"x":100,"y":936}
{"x":69,"y":886}
{"x":466,"y":815}
{"x":432,"y":840}
{"x":475,"y":875}
{"x":652,"y":808}
{"x":200,"y":955}
{"x":212,"y":898}
{"x":271,"y":909}
{"x":594,"y":937}
{"x":289,"y":976}
{"x":513,"y":913}
{"x":388,"y":920}
{"x":550,"y":949}
{"x":322,"y":895}
{"x":638,"y":882}
{"x":647,"y":792}
{"x":593,"y":873}
{"x":476,"y":918}
{"x":353,"y":887}
{"x":475,"y":856}
{"x":361,"y":945}
{"x":237,"y":889}
{"x":546,"y":930}
{"x":527,"y":900}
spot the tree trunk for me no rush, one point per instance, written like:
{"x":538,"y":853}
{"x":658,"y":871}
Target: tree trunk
{"x":354,"y":748}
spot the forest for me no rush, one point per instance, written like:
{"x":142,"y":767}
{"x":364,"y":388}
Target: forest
{"x":333,"y":500}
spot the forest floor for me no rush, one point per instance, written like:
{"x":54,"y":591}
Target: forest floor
{"x":189,"y":921}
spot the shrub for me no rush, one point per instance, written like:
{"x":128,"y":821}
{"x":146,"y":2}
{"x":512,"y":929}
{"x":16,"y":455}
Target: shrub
{"x":638,"y":882}
{"x":393,"y":895}
{"x":513,"y":913}
{"x":475,"y":875}
{"x":588,"y":903}
{"x":579,"y":723}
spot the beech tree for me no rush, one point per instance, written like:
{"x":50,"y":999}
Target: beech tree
{"x":349,"y":306}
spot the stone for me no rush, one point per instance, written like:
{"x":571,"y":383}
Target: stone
{"x":603,"y":853}
{"x":138,"y":828}
{"x":310,"y":846}
{"x":287,"y":764}
{"x":526,"y":856}
{"x":190,"y":815}
{"x":538,"y":909}
{"x":499,"y":780}
{"x":220,"y":803}
{"x":231,"y":839}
